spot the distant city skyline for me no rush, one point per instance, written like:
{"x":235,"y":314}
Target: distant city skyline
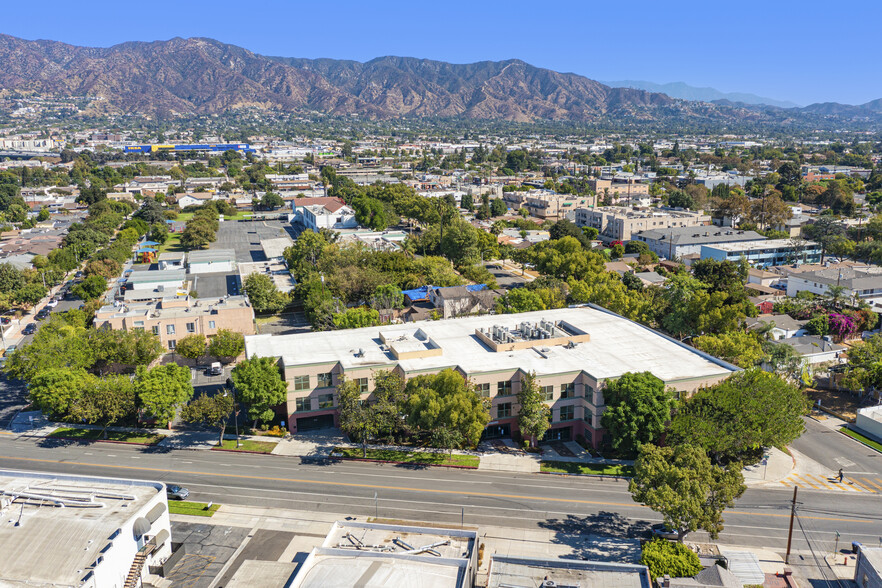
{"x":771,"y":49}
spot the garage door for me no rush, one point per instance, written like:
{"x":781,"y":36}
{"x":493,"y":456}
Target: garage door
{"x":325,"y":421}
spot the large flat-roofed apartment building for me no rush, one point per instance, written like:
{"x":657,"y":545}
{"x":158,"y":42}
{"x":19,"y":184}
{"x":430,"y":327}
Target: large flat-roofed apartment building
{"x":175,"y":317}
{"x":617,"y":223}
{"x":573,"y":352}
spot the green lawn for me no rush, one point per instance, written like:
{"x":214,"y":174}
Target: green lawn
{"x":597,"y":469}
{"x":95,"y":434}
{"x":247,"y":445}
{"x":415,"y":457}
{"x":865,"y":440}
{"x":196,"y":509}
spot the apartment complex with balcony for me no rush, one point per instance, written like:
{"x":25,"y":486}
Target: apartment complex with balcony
{"x":617,"y":223}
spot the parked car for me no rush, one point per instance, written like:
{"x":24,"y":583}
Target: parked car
{"x":52,"y":303}
{"x":175,"y":492}
{"x":215,"y":369}
{"x":78,"y":275}
{"x":43,"y":314}
{"x":664,"y":531}
{"x":5,"y":320}
{"x":9,"y":350}
{"x":29,"y":329}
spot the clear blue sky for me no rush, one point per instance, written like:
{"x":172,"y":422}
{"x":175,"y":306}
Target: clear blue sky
{"x":785,"y":49}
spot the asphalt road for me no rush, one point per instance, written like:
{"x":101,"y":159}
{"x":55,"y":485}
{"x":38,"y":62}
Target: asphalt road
{"x":834,"y":450}
{"x":565,"y":504}
{"x":504,"y":278}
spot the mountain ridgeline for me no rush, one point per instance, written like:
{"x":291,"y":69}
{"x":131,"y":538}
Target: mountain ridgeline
{"x":203,"y":76}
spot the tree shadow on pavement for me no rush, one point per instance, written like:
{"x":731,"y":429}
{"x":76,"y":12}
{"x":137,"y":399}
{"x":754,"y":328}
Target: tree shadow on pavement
{"x":605,"y":536}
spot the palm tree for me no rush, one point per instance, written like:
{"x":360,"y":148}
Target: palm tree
{"x":834,"y":293}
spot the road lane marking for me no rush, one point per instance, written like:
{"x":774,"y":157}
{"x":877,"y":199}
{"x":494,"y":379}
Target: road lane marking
{"x":404,"y":489}
{"x":805,"y":480}
{"x":863,"y":486}
{"x":875,"y":485}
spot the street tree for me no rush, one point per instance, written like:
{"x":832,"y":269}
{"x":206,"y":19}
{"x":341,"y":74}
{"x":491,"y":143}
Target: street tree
{"x":735,"y":419}
{"x":104,"y":401}
{"x":55,"y":390}
{"x":638,"y":407}
{"x":358,"y":419}
{"x":226,"y":344}
{"x":259,"y":385}
{"x":533,"y":414}
{"x":682,"y":485}
{"x":444,"y":400}
{"x":162,"y":389}
{"x":90,"y":288}
{"x":213,"y":411}
{"x":192,"y":346}
{"x":30,"y":294}
{"x":263,"y":293}
{"x":743,"y":349}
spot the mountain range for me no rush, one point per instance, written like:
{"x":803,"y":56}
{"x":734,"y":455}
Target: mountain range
{"x":204,"y":76}
{"x":687,"y":92}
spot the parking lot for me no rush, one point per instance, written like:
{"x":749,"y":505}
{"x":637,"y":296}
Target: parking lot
{"x":244,"y":237}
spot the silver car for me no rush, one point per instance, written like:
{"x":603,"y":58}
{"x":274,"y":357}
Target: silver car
{"x":175,"y":492}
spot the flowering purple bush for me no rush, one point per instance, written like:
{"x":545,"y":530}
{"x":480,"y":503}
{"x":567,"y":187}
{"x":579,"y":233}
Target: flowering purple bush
{"x":841,"y":326}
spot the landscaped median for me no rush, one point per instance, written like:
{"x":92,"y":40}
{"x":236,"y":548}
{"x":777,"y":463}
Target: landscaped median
{"x":196,"y":509}
{"x":133,"y":437}
{"x":861,"y":438}
{"x":248,"y":446}
{"x":456,"y":460}
{"x":586,"y":469}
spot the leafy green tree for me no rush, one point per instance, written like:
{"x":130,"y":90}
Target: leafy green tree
{"x":682,"y":485}
{"x":566,"y":228}
{"x":680,"y":199}
{"x":214,"y":411}
{"x":358,"y":419}
{"x":519,"y":300}
{"x":151,"y":212}
{"x":11,"y":278}
{"x":104,"y":401}
{"x":737,"y":347}
{"x":638,"y":407}
{"x":43,"y":215}
{"x":226,"y":344}
{"x":192,"y":346}
{"x":259,"y":386}
{"x":263,"y":293}
{"x":272,"y":201}
{"x":105,"y":268}
{"x":664,"y":558}
{"x":444,"y":400}
{"x":113,"y":348}
{"x":29,"y":294}
{"x":387,"y":296}
{"x":162,"y":389}
{"x":197,"y":235}
{"x":356,"y":318}
{"x":467,"y":202}
{"x":498,"y":207}
{"x":91,"y":288}
{"x":736,"y":418}
{"x":158,"y":232}
{"x":55,"y":390}
{"x":57,"y":345}
{"x":533,"y":414}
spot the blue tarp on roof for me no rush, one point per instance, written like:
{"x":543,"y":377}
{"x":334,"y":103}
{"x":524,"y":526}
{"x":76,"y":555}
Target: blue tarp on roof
{"x":145,"y":249}
{"x":149,"y":243}
{"x":421,"y":294}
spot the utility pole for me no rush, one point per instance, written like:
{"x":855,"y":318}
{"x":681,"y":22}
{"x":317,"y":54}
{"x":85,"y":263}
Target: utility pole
{"x":790,"y":532}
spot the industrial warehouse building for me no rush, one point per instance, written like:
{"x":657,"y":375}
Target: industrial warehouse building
{"x":573,"y":351}
{"x":67,"y":530}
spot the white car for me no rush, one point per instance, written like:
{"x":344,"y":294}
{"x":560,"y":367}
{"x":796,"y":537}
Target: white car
{"x":52,"y":303}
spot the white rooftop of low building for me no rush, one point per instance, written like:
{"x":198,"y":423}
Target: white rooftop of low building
{"x":525,"y":572}
{"x":275,"y":247}
{"x":43,"y":544}
{"x":617,"y":346}
{"x":760,"y":245}
{"x":332,"y":569}
{"x":211,"y":255}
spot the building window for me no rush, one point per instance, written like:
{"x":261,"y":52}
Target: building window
{"x":303,"y":404}
{"x":483,"y":390}
{"x":155,"y":329}
{"x":547,"y":392}
{"x":326,"y":400}
{"x":191,"y":327}
{"x":301,"y":382}
{"x":325,"y":380}
{"x":172,"y":344}
{"x":566,"y":413}
{"x":169,"y":329}
{"x":503,"y":410}
{"x":503,"y":388}
{"x":568,"y":390}
{"x":362,"y":385}
{"x":211,"y":324}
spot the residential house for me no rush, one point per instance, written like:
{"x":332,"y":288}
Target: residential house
{"x":857,"y":283}
{"x":782,"y":325}
{"x":324,"y":213}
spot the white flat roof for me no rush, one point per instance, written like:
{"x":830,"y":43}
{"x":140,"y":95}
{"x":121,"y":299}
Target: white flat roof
{"x":753,"y":245}
{"x":617,"y":346}
{"x":508,"y":572}
{"x":55,"y":545}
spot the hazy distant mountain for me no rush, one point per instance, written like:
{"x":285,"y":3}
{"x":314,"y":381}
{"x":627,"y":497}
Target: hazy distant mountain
{"x":687,"y":92}
{"x":205,"y":76}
